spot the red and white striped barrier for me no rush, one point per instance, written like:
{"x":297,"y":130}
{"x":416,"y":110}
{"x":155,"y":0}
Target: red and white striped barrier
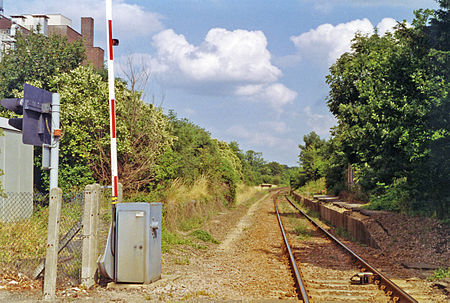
{"x":112,"y":105}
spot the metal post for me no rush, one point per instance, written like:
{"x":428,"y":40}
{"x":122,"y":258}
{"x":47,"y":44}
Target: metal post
{"x":51,"y":258}
{"x":112,"y":120}
{"x":112,"y":101}
{"x":54,"y":148}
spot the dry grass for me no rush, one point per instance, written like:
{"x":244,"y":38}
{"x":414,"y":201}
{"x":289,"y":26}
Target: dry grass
{"x":246,"y":193}
{"x":312,"y":188}
{"x":24,"y":241}
{"x":186,"y":207}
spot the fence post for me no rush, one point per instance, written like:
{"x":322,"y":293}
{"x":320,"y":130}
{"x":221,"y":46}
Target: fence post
{"x":51,"y":258}
{"x":119,"y":193}
{"x":90,"y":238}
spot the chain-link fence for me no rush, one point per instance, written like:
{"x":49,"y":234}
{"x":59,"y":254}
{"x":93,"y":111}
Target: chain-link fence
{"x":23,"y":235}
{"x":23,"y":231}
{"x":70,"y":239}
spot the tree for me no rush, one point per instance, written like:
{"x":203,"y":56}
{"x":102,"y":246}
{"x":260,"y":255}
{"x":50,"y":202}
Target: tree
{"x":390,"y":96}
{"x":313,"y":156}
{"x":36,"y":57}
{"x":137,"y":71}
{"x":195,"y":154}
{"x":143,"y":132}
{"x":254,"y":168}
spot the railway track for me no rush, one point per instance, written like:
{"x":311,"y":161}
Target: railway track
{"x":326,"y":270}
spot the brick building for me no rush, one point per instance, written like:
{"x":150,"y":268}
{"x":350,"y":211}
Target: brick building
{"x":52,"y":24}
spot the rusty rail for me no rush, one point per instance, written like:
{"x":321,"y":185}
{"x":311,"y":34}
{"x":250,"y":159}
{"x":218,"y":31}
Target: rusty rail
{"x":389,"y":287}
{"x":302,"y":290}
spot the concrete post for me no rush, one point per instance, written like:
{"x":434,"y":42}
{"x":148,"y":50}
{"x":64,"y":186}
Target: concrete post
{"x":119,"y":193}
{"x":51,"y":258}
{"x":90,"y":237}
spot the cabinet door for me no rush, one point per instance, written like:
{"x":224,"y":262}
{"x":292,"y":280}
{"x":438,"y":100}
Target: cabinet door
{"x":131,"y":246}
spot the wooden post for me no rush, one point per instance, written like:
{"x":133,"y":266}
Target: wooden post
{"x":51,"y":258}
{"x":90,"y":238}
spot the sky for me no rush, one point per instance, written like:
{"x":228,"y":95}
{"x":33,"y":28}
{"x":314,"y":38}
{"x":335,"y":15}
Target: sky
{"x":250,"y":71}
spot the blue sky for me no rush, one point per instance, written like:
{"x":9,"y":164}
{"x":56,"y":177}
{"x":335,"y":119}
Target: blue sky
{"x":245,"y":70}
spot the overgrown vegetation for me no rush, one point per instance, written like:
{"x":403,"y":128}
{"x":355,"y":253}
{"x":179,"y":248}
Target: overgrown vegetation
{"x":154,"y":149}
{"x":204,"y":236}
{"x":313,"y":187}
{"x":25,"y":239}
{"x":390,"y":96}
{"x":302,"y":229}
{"x":440,"y":273}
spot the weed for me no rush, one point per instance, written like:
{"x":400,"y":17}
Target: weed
{"x":313,"y":214}
{"x":204,"y":236}
{"x":343,"y":233}
{"x":199,"y":293}
{"x":106,"y":217}
{"x":302,"y":231}
{"x":439,"y":274}
{"x":182,"y":261}
{"x":313,"y":187}
{"x":148,"y":297}
{"x":168,"y":239}
{"x":191,"y":223}
{"x":201,"y":246}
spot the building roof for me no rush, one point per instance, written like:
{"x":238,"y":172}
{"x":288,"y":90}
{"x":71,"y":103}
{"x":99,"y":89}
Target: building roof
{"x":5,"y":23}
{"x":40,"y":16}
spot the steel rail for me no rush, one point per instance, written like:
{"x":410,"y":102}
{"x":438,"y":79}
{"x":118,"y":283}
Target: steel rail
{"x":300,"y":284}
{"x":398,"y":294}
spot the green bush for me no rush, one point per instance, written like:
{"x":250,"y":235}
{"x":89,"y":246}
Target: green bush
{"x":392,"y":197}
{"x":204,"y":236}
{"x":440,"y":273}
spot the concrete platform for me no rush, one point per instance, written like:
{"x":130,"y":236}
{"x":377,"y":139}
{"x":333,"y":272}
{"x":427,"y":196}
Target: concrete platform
{"x":347,"y":216}
{"x":326,"y":198}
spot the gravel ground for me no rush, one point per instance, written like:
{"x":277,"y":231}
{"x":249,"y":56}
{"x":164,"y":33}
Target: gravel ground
{"x":247,"y":265}
{"x":336,"y":266}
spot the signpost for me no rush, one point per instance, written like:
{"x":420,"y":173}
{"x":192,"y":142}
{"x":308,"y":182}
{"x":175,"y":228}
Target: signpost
{"x":39,"y":124}
{"x":40,"y":127}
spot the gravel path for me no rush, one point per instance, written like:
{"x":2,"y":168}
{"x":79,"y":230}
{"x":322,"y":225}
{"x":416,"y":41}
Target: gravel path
{"x":247,"y":265}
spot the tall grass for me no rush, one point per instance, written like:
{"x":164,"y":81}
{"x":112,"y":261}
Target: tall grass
{"x":23,"y":243}
{"x":313,"y":187}
{"x":187,"y":206}
{"x":247,"y":193}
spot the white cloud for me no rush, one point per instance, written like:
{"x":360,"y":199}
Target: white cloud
{"x":260,"y":138}
{"x":319,"y":123}
{"x":386,"y":25}
{"x":228,"y":62}
{"x":277,"y":95}
{"x":189,"y":111}
{"x":279,"y":127}
{"x":238,"y":55}
{"x":329,"y":41}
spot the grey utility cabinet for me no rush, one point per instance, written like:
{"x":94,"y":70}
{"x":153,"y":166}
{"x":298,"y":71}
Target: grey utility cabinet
{"x":138,"y":242}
